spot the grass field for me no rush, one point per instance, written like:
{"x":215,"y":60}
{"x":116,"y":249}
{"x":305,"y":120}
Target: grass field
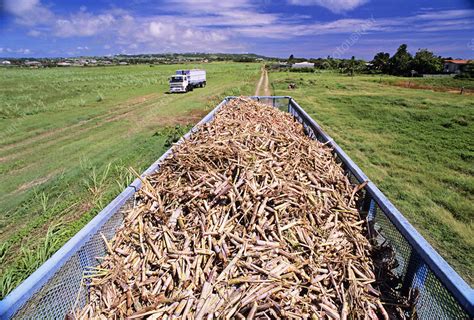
{"x":452,"y":85}
{"x":416,"y":145}
{"x":69,"y":135}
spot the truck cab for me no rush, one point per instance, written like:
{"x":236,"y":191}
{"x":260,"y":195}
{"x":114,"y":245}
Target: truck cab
{"x":187,"y":80}
{"x":179,"y":83}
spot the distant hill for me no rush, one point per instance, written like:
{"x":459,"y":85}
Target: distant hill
{"x":151,"y":58}
{"x":197,"y":55}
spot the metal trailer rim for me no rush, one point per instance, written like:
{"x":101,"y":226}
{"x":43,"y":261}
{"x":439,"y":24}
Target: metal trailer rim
{"x":428,"y":257}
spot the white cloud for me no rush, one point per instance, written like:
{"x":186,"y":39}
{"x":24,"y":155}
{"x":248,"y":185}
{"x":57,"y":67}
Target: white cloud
{"x":286,"y":31}
{"x":83,"y":24}
{"x":19,"y":7}
{"x":34,"y":33}
{"x":163,"y":33}
{"x":446,"y":20}
{"x":28,"y":12}
{"x":209,"y":6}
{"x":445,"y":14}
{"x":225,"y":25}
{"x":171,"y":32}
{"x":449,"y":25}
{"x":336,"y":6}
{"x":16,"y":51}
{"x":159,"y":30}
{"x":223,"y":13}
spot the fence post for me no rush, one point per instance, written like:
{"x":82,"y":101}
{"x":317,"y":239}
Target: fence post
{"x":372,"y":210}
{"x":291,"y":109}
{"x":417,"y":272}
{"x":369,"y":207}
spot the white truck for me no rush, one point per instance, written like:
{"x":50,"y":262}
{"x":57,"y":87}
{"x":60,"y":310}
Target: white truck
{"x":187,"y":80}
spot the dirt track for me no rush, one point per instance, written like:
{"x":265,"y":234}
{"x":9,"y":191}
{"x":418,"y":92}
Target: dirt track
{"x":263,"y":82}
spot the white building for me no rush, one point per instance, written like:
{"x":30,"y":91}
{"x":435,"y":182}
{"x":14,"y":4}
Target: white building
{"x":5,"y":63}
{"x":63,"y":64}
{"x":33,"y":64}
{"x":304,"y":64}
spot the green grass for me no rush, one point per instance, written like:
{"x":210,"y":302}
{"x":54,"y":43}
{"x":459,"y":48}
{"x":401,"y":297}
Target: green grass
{"x":416,"y":145}
{"x":68,"y":137}
{"x":434,"y":83}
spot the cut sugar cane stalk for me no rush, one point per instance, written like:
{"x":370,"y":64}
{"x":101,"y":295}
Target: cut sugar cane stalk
{"x":248,"y":218}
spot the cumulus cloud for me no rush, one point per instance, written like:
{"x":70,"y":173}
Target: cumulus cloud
{"x":162,"y":33}
{"x":336,"y":6}
{"x":208,"y":25}
{"x":28,"y":12}
{"x":83,"y":24}
{"x":19,"y":7}
{"x":158,"y":29}
{"x":172,"y":32}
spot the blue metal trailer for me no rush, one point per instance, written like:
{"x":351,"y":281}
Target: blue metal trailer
{"x":55,"y":287}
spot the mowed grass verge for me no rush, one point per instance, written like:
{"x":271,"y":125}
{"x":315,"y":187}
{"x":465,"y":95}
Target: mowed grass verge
{"x":68,"y":137}
{"x":416,"y":145}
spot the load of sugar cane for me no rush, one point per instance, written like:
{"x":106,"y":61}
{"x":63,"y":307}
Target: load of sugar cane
{"x":248,"y":218}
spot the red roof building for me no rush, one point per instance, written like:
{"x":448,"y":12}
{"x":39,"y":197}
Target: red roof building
{"x":457,"y":61}
{"x":455,"y":65}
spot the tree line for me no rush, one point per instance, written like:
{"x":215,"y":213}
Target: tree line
{"x":403,"y":63}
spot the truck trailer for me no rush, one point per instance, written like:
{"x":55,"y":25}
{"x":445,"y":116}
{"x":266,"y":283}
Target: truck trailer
{"x":62,"y":283}
{"x":187,"y":80}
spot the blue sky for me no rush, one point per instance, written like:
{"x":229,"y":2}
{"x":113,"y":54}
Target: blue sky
{"x":305,"y":28}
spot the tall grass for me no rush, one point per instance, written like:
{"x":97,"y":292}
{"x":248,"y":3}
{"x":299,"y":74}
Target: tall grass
{"x":30,"y":259}
{"x":95,"y":182}
{"x":416,"y":145}
{"x":99,"y":186}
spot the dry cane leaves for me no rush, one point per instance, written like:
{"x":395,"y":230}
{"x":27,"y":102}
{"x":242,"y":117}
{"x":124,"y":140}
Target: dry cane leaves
{"x":249,"y":218}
